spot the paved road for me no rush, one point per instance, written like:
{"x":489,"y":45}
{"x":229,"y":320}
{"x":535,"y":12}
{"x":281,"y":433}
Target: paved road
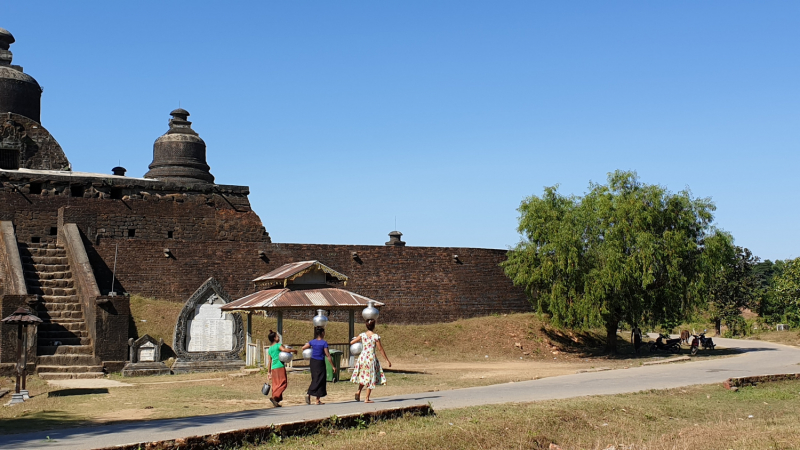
{"x":759,"y":358}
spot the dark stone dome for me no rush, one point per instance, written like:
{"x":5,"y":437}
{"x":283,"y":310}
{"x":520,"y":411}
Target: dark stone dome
{"x":180,"y":154}
{"x":19,"y":92}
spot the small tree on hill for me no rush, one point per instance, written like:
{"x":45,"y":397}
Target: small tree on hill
{"x":734,"y":286}
{"x":770,"y":306}
{"x":786,"y":286}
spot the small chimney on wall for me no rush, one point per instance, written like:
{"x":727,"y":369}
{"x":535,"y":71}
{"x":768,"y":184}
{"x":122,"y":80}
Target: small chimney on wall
{"x":394,"y":239}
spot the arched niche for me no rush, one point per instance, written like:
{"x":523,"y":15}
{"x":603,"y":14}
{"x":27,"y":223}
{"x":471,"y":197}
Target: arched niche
{"x":203,"y":332}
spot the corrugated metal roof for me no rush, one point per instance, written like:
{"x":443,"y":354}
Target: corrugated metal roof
{"x":295,"y":269}
{"x":294,"y":298}
{"x":286,"y":271}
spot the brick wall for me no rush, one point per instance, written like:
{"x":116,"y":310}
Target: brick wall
{"x":214,"y":233}
{"x":419,"y":284}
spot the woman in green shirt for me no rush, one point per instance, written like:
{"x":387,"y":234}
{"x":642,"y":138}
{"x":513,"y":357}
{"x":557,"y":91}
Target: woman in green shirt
{"x":277,"y":371}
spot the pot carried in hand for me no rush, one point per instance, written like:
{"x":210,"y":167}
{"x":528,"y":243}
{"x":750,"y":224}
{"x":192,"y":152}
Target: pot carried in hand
{"x":356,"y":348}
{"x":285,"y":357}
{"x":307,"y":353}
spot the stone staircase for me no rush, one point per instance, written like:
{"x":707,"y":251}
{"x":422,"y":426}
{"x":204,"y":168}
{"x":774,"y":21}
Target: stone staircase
{"x":64,"y":347}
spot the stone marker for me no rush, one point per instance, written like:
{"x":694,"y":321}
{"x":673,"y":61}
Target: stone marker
{"x":207,"y":339}
{"x":145,"y":358}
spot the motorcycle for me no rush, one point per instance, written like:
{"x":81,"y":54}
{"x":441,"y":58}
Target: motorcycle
{"x":701,"y":340}
{"x":664,"y":344}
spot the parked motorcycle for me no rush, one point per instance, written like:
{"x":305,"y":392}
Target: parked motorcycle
{"x":664,"y":344}
{"x":701,"y":340}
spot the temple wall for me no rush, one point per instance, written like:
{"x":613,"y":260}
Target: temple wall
{"x":214,"y":233}
{"x":418,"y":284}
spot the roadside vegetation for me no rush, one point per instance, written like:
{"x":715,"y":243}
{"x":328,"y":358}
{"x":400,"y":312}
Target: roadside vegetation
{"x":631,"y":254}
{"x":696,"y":417}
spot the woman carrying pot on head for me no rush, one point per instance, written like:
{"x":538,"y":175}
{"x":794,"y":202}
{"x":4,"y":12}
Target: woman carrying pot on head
{"x":277,"y":370}
{"x":367,"y":371}
{"x":319,"y":351}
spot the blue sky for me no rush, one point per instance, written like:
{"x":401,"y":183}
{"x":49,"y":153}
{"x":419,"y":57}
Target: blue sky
{"x":341,"y":116}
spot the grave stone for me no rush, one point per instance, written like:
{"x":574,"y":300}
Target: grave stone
{"x":145,"y":358}
{"x":207,"y":339}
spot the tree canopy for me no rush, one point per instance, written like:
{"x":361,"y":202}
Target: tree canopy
{"x":733,"y":285}
{"x":625,"y":251}
{"x":786,"y":285}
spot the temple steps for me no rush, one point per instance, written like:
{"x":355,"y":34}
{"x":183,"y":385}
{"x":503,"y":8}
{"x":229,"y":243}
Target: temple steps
{"x":51,"y":342}
{"x":62,"y":333}
{"x":77,"y":360}
{"x":73,"y":326}
{"x":47,"y":350}
{"x":70,"y":375}
{"x":64,"y":347}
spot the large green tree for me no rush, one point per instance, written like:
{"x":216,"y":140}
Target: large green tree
{"x":625,"y":251}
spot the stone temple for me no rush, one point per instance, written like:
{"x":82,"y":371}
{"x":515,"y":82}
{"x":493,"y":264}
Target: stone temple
{"x":72,"y":244}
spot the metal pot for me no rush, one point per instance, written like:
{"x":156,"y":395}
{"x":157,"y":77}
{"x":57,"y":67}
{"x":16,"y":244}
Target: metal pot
{"x":285,"y":357}
{"x":320,"y":320}
{"x":307,"y":353}
{"x":356,"y":349}
{"x":370,"y":312}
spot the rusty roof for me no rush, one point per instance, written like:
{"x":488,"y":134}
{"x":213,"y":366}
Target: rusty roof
{"x":294,"y":270}
{"x":299,"y":297}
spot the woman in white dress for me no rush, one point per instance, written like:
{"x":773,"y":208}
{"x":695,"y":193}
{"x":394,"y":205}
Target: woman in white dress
{"x":367,"y":371}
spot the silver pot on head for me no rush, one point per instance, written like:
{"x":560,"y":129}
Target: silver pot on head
{"x":370,"y":312}
{"x":320,"y":320}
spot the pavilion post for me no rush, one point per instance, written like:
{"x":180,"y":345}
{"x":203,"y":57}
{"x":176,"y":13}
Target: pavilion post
{"x":249,"y":338}
{"x":351,"y":334}
{"x":280,"y":323}
{"x":352,"y":323}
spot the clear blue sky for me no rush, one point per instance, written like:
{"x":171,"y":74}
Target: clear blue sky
{"x":342,"y":115}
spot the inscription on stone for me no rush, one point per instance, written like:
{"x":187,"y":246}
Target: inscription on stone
{"x":210,"y":330}
{"x":147,"y":352}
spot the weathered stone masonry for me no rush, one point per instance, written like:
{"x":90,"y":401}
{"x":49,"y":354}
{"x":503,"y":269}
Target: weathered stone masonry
{"x":216,"y":234}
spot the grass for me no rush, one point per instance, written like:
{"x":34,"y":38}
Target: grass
{"x":696,"y":417}
{"x":779,"y":337}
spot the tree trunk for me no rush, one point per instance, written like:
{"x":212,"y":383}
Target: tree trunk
{"x":611,"y":337}
{"x":718,"y":325}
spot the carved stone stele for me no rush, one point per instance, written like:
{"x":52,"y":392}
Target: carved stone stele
{"x":206,"y":339}
{"x":145,"y":358}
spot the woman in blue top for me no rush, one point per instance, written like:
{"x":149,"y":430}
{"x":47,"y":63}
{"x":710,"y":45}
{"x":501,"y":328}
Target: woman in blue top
{"x":319,"y":351}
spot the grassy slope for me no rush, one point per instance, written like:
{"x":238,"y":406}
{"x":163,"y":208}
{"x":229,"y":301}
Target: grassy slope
{"x":697,"y":417}
{"x":463,"y":340}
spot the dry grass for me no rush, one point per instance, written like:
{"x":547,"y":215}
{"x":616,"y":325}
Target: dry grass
{"x":501,"y":337}
{"x":779,"y":337}
{"x":697,"y":417}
